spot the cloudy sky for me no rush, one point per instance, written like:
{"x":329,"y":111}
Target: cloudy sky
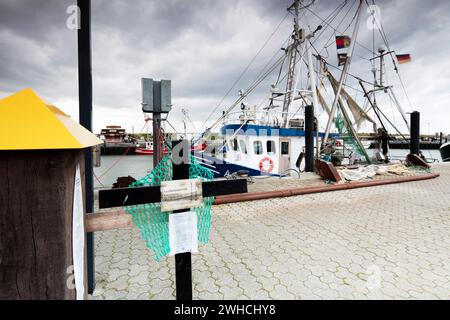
{"x":203,"y":46}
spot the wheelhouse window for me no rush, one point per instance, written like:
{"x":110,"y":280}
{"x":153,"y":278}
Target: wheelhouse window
{"x":243,"y":146}
{"x":270,"y":147}
{"x":257,"y":147}
{"x":234,"y":145}
{"x":284,"y":147}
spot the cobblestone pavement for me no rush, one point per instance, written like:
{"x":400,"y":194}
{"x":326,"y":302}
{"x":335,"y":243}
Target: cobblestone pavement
{"x":386,"y":242}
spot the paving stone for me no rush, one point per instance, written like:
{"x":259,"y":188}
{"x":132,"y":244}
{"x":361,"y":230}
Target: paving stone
{"x":230,"y":293}
{"x":320,"y":246}
{"x":120,"y":284}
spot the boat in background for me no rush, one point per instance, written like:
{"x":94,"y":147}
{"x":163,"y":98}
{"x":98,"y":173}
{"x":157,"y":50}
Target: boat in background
{"x":148,"y":150}
{"x":116,"y":141}
{"x":445,"y":152}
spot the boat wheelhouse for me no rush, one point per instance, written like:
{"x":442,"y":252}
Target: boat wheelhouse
{"x":258,"y":145}
{"x":267,"y":149}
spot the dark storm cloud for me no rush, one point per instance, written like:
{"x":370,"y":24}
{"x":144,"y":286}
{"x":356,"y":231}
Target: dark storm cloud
{"x":36,"y":49}
{"x":202,"y":45}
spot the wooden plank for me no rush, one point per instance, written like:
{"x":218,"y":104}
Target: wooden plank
{"x":151,"y":194}
{"x":107,"y":221}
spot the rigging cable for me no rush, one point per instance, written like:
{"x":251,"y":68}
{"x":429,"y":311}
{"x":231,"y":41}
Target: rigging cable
{"x":245,"y":70}
{"x":330,"y":42}
{"x":335,"y":29}
{"x":384,"y":37}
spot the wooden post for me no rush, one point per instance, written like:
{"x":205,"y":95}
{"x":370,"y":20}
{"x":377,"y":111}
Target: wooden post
{"x":183,"y":263}
{"x":158,"y":141}
{"x":36,"y":202}
{"x":158,"y":145}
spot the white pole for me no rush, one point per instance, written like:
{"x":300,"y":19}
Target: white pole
{"x":344,"y":72}
{"x":312,"y":75}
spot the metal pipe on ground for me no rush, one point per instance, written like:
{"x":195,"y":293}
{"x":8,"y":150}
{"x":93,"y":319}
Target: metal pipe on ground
{"x":301,"y":191}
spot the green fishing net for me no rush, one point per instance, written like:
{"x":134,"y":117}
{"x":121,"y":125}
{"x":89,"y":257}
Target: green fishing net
{"x":348,"y":137}
{"x":153,"y":223}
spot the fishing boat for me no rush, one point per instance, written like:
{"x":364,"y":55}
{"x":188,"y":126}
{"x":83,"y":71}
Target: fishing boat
{"x":148,"y":150}
{"x":269,"y":138}
{"x":445,"y":152}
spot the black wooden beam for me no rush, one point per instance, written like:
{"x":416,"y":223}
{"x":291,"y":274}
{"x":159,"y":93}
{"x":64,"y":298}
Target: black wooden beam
{"x":183,"y":261}
{"x":151,"y":194}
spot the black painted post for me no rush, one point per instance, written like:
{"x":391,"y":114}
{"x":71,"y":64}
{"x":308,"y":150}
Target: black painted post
{"x":415,"y":133}
{"x":85,"y":110}
{"x":157,"y":145}
{"x":309,"y":138}
{"x":157,"y":150}
{"x":183,"y":264}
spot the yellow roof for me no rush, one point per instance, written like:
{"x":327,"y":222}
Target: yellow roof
{"x":28,"y":123}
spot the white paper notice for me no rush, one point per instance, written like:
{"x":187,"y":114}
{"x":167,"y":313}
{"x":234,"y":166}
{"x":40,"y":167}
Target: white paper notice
{"x":78,"y":236}
{"x":183,"y":232}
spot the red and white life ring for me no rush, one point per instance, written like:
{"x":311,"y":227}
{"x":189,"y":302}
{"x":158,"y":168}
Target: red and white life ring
{"x":263,"y":164}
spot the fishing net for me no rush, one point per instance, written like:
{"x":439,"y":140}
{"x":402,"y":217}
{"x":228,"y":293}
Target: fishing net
{"x":346,"y":135}
{"x":153,"y":223}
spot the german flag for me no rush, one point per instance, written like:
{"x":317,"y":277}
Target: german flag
{"x":342,"y":42}
{"x":403,"y":58}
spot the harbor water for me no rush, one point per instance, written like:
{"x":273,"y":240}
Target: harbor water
{"x":137,"y":166}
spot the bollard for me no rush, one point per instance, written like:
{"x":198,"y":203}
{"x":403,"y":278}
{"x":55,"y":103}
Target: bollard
{"x":309,"y":138}
{"x":415,"y":133}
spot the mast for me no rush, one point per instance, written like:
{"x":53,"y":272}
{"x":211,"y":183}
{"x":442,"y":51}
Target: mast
{"x":292,"y":52}
{"x":387,"y":88}
{"x":344,"y":73}
{"x":184,"y":112}
{"x":312,"y":75}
